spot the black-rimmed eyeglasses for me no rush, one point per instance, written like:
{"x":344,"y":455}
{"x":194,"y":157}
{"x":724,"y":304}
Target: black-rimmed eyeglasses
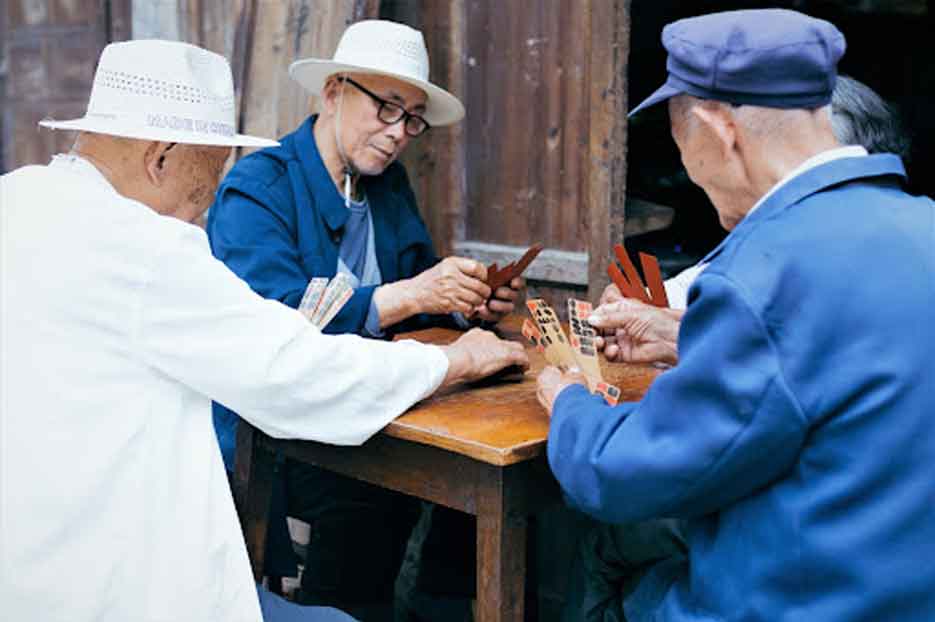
{"x":391,"y":113}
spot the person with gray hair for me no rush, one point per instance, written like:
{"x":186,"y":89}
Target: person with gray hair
{"x":634,"y":332}
{"x":861,"y":117}
{"x":805,"y":358}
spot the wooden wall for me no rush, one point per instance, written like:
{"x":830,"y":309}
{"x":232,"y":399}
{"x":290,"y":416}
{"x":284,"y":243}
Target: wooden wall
{"x":541,"y":155}
{"x":261,"y":38}
{"x":50,"y":50}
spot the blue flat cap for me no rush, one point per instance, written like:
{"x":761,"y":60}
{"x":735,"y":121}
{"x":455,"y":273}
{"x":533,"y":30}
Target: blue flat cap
{"x":774,"y":58}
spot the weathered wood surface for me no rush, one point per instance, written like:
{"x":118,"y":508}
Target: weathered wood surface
{"x":526,"y":96}
{"x":284,"y":31}
{"x":502,"y":423}
{"x":544,"y":87}
{"x":445,"y":451}
{"x":436,"y":162}
{"x":609,"y":36}
{"x":500,"y":496}
{"x":254,"y":469}
{"x":50,"y":52}
{"x":501,"y":548}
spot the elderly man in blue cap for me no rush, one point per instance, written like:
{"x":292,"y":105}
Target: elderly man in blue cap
{"x":791,"y":447}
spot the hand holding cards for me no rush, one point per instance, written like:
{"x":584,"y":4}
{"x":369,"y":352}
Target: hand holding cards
{"x":323,"y":299}
{"x":578,"y":352}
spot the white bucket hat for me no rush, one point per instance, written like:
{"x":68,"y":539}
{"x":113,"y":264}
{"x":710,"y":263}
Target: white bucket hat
{"x":384,"y":48}
{"x":162,"y":90}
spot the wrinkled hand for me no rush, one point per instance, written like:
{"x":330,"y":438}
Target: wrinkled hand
{"x":550,"y":383}
{"x":479,"y":353}
{"x":635,"y":332}
{"x":502,"y":302}
{"x":453,"y":284}
{"x":611,"y":294}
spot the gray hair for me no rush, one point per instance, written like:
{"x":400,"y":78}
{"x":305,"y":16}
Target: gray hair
{"x":860,"y":117}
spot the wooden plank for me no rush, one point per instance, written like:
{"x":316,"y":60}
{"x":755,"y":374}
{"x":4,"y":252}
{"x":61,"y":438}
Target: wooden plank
{"x":273,"y":104}
{"x":4,"y":124}
{"x":436,"y":161}
{"x":26,"y":13}
{"x":155,"y":20}
{"x":555,"y":266}
{"x":260,"y":53}
{"x":497,"y":422}
{"x":572,"y":218}
{"x":501,"y":550}
{"x":121,"y":20}
{"x":75,"y":12}
{"x":430,"y":473}
{"x":552,"y":141}
{"x":254,"y":468}
{"x":608,"y":40}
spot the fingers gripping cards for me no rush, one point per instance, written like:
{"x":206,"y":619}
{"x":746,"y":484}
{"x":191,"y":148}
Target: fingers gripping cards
{"x":323,"y":299}
{"x":577,"y":351}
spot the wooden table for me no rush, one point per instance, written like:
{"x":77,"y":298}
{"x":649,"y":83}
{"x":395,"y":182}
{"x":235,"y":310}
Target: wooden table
{"x":479,"y":449}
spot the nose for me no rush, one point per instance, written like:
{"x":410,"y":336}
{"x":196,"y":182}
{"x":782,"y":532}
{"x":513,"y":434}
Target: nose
{"x":397,"y":131}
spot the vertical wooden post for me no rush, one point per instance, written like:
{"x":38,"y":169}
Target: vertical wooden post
{"x":253,"y":489}
{"x":501,"y":547}
{"x":609,"y":37}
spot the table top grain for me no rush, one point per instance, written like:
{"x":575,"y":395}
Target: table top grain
{"x":498,"y":421}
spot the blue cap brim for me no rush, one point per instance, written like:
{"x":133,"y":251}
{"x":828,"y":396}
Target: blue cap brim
{"x":663,"y":93}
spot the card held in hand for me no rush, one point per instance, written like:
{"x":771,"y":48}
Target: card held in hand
{"x":312,"y":296}
{"x":580,"y":353}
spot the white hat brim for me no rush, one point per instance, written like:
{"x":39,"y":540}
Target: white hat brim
{"x":114,"y":128}
{"x":441,"y":108}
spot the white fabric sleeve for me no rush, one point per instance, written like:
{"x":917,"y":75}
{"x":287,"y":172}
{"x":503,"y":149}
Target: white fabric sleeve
{"x":677,"y":286}
{"x":202,"y":326}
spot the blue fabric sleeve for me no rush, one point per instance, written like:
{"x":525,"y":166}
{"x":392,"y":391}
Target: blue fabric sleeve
{"x":248,"y":231}
{"x":353,"y":316}
{"x":249,"y":235}
{"x":716,"y":427}
{"x":372,"y":323}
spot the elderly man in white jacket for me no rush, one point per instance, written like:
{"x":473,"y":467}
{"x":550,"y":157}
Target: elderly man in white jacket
{"x":117,"y":328}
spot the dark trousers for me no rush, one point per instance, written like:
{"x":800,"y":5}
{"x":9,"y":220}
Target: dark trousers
{"x":610,"y":562}
{"x":359,"y":534}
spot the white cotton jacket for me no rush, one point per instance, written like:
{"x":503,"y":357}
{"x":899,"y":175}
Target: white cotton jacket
{"x":117,"y":328}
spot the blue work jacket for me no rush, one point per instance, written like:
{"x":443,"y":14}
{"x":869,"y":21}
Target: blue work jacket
{"x":796,"y":435}
{"x":277,"y":221}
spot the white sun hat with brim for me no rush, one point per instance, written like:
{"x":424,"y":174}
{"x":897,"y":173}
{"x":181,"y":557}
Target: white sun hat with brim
{"x":384,"y":48}
{"x":162,"y":90}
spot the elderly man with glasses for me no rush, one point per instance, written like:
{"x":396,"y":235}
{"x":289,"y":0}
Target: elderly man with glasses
{"x":333,"y":198}
{"x":117,"y":330}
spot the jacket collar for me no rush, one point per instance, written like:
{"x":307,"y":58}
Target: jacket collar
{"x":811,"y":182}
{"x":329,"y":201}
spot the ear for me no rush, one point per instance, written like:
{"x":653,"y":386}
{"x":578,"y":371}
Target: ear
{"x":719,"y":124}
{"x":329,"y":95}
{"x":154,"y":161}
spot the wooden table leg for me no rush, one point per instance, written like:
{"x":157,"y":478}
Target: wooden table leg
{"x":501,"y":550}
{"x":253,"y":489}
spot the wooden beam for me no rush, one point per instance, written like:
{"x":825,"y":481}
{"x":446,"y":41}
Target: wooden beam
{"x":553,"y":266}
{"x":608,"y":37}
